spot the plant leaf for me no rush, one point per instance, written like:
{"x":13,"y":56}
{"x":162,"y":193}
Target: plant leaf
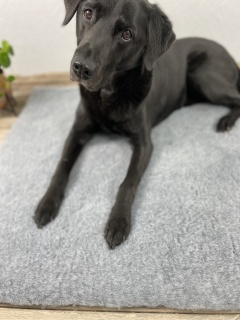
{"x":1,"y":94}
{"x":5,"y":60}
{"x":10,"y":78}
{"x":11,"y":51}
{"x":5,"y":45}
{"x":7,"y":48}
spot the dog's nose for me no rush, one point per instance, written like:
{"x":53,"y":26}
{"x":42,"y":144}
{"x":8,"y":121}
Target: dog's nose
{"x":82,"y":70}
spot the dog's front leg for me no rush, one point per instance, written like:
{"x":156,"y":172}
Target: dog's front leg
{"x":49,"y":205}
{"x":119,"y":223}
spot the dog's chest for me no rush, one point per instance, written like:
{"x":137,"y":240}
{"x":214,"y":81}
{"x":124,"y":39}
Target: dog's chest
{"x":115,"y":108}
{"x":110,"y":113}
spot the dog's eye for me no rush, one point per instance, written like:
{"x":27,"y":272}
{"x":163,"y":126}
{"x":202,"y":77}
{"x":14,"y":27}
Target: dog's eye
{"x":126,"y":35}
{"x":88,"y":14}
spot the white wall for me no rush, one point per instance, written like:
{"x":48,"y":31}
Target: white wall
{"x":42,"y":45}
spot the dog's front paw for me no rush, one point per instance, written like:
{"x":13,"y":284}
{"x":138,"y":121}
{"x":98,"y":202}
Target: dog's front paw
{"x":47,"y":210}
{"x":117,"y":230}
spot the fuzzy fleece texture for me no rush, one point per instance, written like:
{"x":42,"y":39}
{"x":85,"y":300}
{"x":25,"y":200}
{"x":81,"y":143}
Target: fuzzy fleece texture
{"x":184,"y":248}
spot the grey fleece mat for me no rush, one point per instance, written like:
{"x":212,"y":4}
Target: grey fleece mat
{"x":184,"y":248}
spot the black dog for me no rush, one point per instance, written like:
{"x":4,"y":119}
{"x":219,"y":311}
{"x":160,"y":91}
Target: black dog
{"x":129,"y":84}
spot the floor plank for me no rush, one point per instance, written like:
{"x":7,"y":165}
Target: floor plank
{"x":124,"y":310}
{"x":28,"y":314}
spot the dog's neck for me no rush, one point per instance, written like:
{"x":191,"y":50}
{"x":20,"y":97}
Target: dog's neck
{"x":134,"y":84}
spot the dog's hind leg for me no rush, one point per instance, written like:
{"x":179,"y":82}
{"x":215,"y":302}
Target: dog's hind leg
{"x":216,"y":89}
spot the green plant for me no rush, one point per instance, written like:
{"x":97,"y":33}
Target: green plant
{"x":6,"y":51}
{"x":5,"y":61}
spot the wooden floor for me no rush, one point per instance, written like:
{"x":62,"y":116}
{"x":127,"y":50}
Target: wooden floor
{"x":20,"y":314}
{"x":23,"y":87}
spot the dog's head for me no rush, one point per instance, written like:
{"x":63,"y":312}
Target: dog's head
{"x":116,"y":35}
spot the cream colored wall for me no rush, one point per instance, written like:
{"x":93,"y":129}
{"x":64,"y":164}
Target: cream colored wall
{"x":43,"y":45}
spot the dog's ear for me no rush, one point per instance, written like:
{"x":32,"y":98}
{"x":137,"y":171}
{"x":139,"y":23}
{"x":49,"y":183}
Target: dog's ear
{"x":71,"y":8}
{"x":160,"y":36}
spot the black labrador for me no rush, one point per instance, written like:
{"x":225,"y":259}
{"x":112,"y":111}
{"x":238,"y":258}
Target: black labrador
{"x":131,"y":77}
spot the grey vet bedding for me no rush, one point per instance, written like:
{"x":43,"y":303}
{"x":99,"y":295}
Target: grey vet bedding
{"x":184,"y":248}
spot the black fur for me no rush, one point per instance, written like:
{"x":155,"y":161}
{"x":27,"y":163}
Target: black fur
{"x":238,"y":84}
{"x":128,"y":85}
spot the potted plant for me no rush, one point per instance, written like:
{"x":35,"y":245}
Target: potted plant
{"x":6,"y":98}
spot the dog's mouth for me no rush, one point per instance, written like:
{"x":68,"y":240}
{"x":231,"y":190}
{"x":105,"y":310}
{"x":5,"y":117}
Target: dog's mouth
{"x":93,"y":84}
